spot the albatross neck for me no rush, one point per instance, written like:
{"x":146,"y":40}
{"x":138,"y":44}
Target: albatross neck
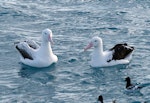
{"x":45,"y":45}
{"x":99,"y":49}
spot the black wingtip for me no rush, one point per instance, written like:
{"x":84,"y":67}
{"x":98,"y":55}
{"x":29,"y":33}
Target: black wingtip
{"x":24,"y":53}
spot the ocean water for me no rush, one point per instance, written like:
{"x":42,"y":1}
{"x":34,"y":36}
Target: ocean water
{"x":73,"y":23}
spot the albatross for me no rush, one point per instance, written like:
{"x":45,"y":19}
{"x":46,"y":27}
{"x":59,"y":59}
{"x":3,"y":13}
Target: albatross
{"x":35,"y":55}
{"x":119,"y":54}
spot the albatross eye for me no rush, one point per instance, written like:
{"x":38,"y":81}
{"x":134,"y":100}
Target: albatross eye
{"x":45,"y":33}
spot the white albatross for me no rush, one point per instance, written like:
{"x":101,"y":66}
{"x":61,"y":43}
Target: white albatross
{"x":119,"y":54}
{"x":35,"y":55}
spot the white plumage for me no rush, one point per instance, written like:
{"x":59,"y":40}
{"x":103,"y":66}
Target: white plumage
{"x":100,"y":58}
{"x":36,"y":55}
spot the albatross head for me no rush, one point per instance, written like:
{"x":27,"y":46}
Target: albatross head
{"x":95,"y":42}
{"x":47,"y":35}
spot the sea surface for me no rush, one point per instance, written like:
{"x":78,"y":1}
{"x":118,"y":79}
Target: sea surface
{"x":74,"y":23}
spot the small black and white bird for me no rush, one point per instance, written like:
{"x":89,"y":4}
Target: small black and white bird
{"x":100,"y":99}
{"x":130,"y":86}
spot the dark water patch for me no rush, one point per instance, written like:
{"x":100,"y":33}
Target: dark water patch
{"x":4,"y":90}
{"x":122,"y":12}
{"x":136,"y":102}
{"x":72,"y":59}
{"x":79,"y":13}
{"x":28,"y":72}
{"x":113,"y":28}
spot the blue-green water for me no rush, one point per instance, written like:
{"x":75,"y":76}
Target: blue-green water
{"x":73,"y":23}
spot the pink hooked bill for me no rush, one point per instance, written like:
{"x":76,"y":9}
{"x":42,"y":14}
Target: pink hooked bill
{"x":88,"y":46}
{"x":50,"y":39}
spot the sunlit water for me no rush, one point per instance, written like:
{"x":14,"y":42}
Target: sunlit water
{"x":73,"y":23}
